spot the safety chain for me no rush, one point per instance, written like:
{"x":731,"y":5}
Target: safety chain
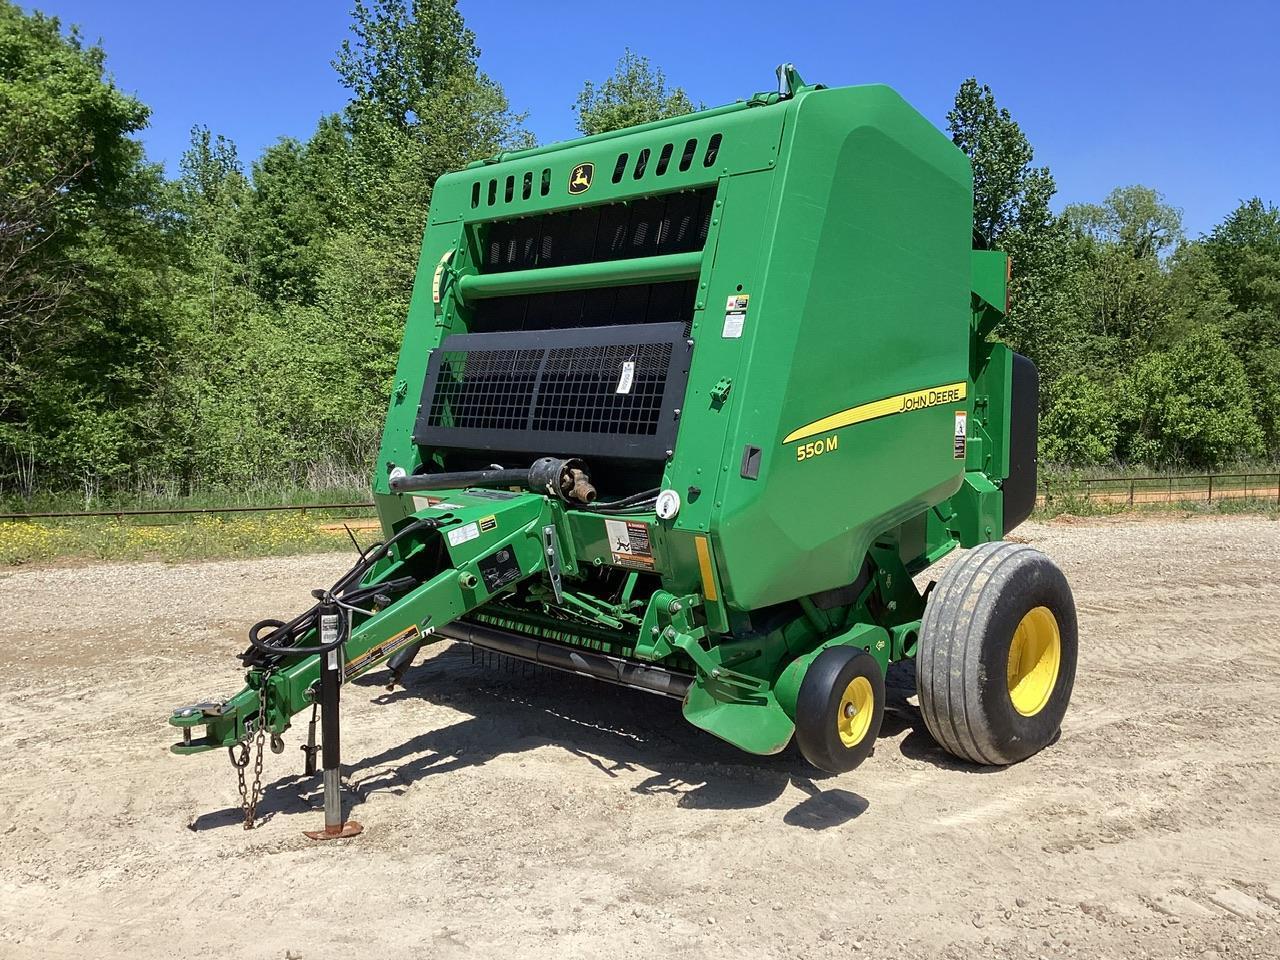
{"x":249,"y":798}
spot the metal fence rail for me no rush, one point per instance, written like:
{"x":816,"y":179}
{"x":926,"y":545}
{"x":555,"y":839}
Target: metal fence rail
{"x":1205,"y":487}
{"x":178,"y":511}
{"x":1186,"y":488}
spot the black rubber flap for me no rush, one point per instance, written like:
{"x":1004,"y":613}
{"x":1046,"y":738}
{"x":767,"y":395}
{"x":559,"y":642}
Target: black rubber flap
{"x":1020,"y":486}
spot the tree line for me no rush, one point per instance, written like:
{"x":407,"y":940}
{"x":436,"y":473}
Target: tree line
{"x":238,"y":325}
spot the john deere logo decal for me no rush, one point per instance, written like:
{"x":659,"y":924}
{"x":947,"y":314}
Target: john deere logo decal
{"x":580,"y":178}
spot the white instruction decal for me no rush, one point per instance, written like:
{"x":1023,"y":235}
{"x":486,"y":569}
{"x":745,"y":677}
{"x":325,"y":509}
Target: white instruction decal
{"x":961,"y":435}
{"x":460,"y":535}
{"x":735,"y":315}
{"x":628,"y":377}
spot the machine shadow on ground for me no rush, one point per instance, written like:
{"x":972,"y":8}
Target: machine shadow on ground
{"x":515,"y":708}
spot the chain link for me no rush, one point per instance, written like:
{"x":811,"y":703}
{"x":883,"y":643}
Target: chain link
{"x":249,"y":797}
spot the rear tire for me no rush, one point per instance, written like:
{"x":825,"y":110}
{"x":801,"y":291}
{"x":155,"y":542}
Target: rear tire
{"x":997,"y":654}
{"x":839,"y":709}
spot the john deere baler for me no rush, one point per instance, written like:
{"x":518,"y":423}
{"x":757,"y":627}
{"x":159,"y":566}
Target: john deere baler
{"x":686,"y":407}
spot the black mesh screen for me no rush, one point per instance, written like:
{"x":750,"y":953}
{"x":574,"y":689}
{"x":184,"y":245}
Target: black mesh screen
{"x":610,"y":391}
{"x":485,"y":389}
{"x":579,"y":389}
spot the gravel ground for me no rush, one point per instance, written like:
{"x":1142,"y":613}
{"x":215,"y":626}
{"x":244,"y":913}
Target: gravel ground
{"x":553,"y":817}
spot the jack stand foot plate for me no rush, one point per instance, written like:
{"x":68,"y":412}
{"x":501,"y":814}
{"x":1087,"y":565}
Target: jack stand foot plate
{"x":348,"y":829}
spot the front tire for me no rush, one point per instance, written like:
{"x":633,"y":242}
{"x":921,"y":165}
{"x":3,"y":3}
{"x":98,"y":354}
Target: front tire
{"x":997,"y":654}
{"x":839,"y":709}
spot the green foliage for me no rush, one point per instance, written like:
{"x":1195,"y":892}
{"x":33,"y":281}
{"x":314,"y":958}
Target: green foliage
{"x":1195,"y":296}
{"x":1136,"y":219}
{"x":1123,"y":281}
{"x":1008,"y":192}
{"x":1011,"y":212}
{"x":1245,"y":249}
{"x":402,"y":54}
{"x":1080,"y":425}
{"x":1151,"y":348}
{"x":637,"y":92}
{"x":83,"y":278}
{"x":1189,"y":405}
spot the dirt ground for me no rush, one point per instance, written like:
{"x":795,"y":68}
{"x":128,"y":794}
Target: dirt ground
{"x":555,"y":817}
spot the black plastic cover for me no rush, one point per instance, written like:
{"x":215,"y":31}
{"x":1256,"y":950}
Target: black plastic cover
{"x":1024,"y":402}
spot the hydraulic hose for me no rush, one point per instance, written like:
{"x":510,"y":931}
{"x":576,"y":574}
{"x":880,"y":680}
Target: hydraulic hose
{"x":628,"y":500}
{"x":344,"y":592}
{"x":494,"y":477}
{"x":632,"y":504}
{"x":567,"y":480}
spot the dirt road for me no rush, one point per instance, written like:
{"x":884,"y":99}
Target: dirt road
{"x":554,"y":817}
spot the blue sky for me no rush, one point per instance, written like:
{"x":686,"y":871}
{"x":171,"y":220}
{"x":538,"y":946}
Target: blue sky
{"x":1181,"y":96}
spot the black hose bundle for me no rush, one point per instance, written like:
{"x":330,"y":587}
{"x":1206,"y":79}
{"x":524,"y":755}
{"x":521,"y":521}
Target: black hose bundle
{"x":632,"y":504}
{"x":282,"y":639}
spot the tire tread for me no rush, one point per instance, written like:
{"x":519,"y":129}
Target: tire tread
{"x":947,"y":665}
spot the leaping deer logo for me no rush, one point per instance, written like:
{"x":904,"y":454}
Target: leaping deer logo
{"x":580,"y":178}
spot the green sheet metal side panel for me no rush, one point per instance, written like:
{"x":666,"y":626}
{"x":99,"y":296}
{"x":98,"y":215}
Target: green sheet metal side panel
{"x":749,"y":140}
{"x":703,"y":455}
{"x":865,"y":295}
{"x":421,"y":334}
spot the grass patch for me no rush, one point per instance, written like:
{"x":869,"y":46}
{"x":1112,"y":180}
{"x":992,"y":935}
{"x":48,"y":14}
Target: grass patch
{"x":209,"y":498}
{"x":167,"y":538}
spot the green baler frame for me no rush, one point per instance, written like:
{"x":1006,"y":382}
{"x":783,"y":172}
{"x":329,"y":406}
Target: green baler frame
{"x":841,"y":326}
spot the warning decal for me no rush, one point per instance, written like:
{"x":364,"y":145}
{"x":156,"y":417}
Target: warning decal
{"x":499,"y":569}
{"x":735,"y":315}
{"x":460,"y":535}
{"x":629,"y":543}
{"x":961,"y":435}
{"x":379,"y":650}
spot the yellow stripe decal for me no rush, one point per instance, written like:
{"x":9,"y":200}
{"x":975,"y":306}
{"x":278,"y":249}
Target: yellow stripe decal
{"x":901,"y":403}
{"x":704,"y":564}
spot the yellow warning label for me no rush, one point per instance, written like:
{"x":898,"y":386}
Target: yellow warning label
{"x":381,"y":650}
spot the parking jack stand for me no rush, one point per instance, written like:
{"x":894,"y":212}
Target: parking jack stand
{"x":335,"y":827}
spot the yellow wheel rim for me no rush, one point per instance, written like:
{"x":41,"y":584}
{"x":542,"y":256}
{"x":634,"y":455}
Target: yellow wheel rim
{"x":854,"y":718}
{"x":1034,"y":658}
